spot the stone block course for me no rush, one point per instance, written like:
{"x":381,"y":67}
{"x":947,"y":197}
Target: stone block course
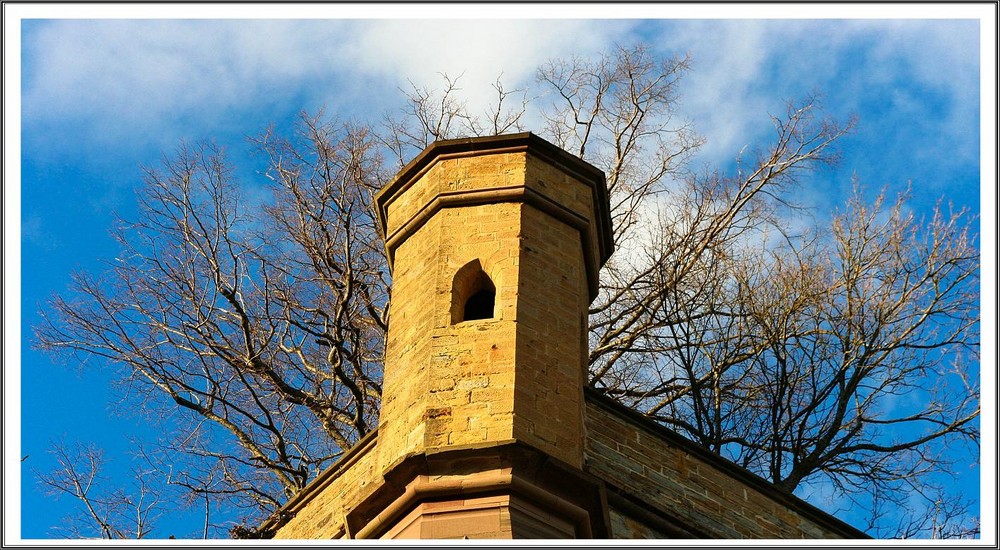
{"x":699,"y":490}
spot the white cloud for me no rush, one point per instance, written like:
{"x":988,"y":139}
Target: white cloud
{"x":131,"y":79}
{"x":117,"y":75}
{"x":479,"y":50}
{"x":914,"y":82}
{"x":731,"y":57}
{"x":719,"y":93}
{"x":134,"y":71}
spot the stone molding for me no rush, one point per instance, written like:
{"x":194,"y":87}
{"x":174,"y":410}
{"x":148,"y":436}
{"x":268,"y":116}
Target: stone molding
{"x":509,"y":468}
{"x":597,"y":232}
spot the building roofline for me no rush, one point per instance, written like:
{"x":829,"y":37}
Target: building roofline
{"x":753,"y":480}
{"x":287,"y":510}
{"x":276,"y":520}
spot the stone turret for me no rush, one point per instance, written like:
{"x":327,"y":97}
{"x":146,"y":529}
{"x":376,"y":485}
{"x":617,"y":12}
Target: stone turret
{"x":495,"y":245}
{"x":486,"y":429}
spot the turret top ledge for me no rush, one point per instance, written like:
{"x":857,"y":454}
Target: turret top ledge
{"x":526,"y":142}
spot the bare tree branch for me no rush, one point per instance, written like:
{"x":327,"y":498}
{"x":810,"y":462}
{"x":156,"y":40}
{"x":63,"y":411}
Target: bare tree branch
{"x":104,"y":511}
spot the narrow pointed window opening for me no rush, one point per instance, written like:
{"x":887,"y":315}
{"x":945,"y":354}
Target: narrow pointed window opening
{"x":473,"y":294}
{"x":480,"y":305}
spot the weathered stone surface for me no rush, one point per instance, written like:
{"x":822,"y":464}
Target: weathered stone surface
{"x":690,"y":487}
{"x":531,"y":226}
{"x":531,"y":222}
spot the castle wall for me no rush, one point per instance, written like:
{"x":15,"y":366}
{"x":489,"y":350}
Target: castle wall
{"x":662,"y":484}
{"x":320,"y":510}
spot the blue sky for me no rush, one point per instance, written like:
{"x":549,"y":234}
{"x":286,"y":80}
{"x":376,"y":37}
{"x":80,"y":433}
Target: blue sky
{"x":101,"y":94}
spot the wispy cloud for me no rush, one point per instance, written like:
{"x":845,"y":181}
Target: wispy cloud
{"x":129,"y":73}
{"x":480,"y":50}
{"x":117,"y":77}
{"x":728,"y":58}
{"x":140,"y":72}
{"x":914,"y":83}
{"x":100,"y":82}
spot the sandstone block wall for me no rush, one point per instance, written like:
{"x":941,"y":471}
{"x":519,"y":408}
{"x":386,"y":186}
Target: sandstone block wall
{"x":700,"y":494}
{"x":529,"y":225}
{"x":450,"y":384}
{"x":551,"y":338}
{"x":320,"y":511}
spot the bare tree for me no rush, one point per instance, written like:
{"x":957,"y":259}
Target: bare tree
{"x":945,"y":515}
{"x":618,"y":112}
{"x":790,"y":354}
{"x":105,"y":512}
{"x":266,"y":322}
{"x":842,"y":355}
{"x":432,"y":115}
